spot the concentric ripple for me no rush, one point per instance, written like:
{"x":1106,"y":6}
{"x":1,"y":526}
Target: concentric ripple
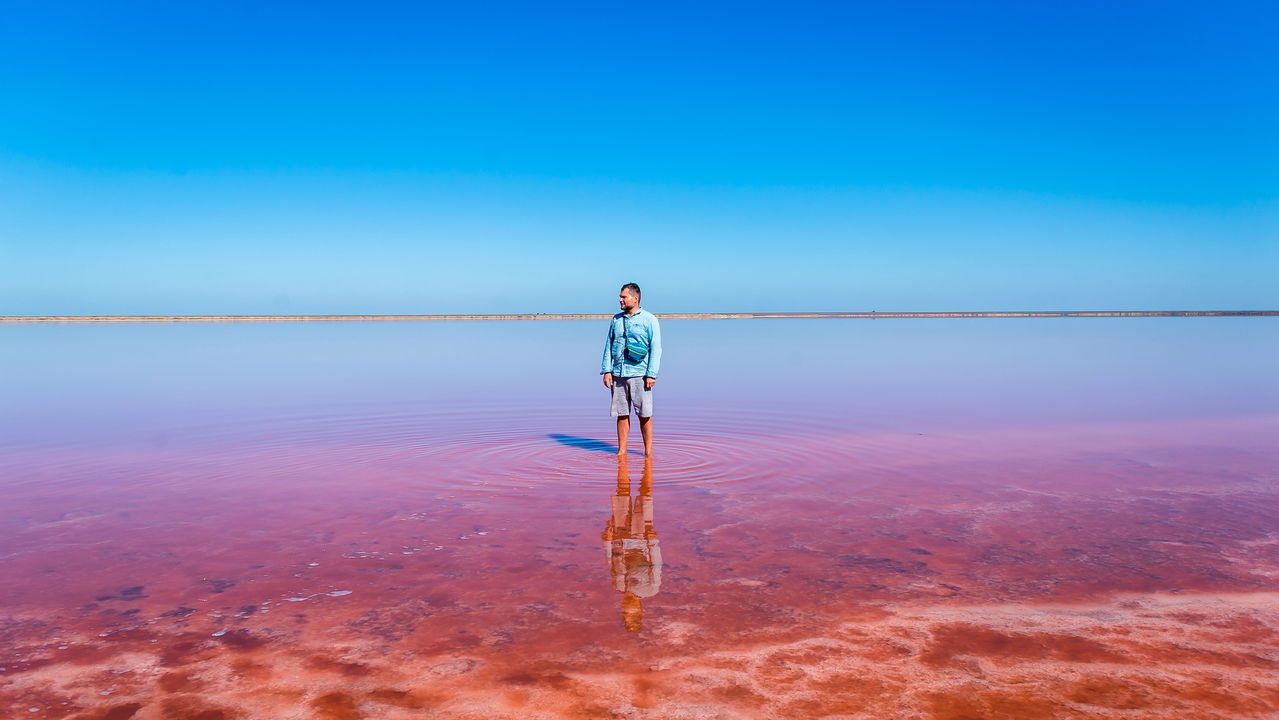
{"x":491,"y":449}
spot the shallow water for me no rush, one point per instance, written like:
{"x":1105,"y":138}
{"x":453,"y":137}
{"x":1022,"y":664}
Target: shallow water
{"x":854,"y":519}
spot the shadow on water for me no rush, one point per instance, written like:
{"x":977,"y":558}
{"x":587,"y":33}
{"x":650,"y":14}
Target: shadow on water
{"x":582,"y":443}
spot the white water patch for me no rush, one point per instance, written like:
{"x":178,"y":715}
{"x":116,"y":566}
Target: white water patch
{"x":335,"y":593}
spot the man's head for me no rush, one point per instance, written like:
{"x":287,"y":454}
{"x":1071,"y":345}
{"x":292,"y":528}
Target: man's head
{"x":629,"y":297}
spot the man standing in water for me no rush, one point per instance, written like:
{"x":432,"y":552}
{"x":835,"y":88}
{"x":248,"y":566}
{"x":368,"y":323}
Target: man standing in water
{"x":632,"y":354}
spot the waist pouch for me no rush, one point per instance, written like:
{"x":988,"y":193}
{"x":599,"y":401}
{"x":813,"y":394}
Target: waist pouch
{"x":636,"y":350}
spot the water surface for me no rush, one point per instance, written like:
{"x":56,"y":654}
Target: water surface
{"x":854,"y":519}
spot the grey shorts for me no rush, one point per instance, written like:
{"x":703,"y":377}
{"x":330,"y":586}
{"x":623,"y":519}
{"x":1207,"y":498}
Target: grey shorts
{"x":630,"y":393}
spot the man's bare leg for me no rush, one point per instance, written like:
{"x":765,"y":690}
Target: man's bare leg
{"x":623,"y":430}
{"x":646,"y":429}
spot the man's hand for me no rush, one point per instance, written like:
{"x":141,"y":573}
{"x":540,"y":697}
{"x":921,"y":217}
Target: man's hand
{"x":649,"y":383}
{"x":608,"y":380}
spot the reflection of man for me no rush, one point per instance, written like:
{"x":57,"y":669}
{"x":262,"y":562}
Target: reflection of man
{"x":630,"y":544}
{"x":632,"y":355}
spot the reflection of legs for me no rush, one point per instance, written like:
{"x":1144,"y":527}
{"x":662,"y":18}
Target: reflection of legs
{"x":623,"y":430}
{"x":624,"y":477}
{"x":646,"y":429}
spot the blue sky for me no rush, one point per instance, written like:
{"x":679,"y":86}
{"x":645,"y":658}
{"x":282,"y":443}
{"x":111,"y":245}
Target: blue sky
{"x":501,"y":157}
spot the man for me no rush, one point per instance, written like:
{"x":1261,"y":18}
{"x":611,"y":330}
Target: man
{"x":632,"y":354}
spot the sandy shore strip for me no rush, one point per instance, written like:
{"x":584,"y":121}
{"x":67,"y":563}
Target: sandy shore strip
{"x":602,"y":316}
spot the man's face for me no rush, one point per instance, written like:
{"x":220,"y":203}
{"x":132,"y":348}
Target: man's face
{"x":627,"y":301}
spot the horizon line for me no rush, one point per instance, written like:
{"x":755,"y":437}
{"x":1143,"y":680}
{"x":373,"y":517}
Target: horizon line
{"x":873,"y":314}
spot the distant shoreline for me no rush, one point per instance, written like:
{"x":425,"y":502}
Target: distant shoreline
{"x":16,"y":319}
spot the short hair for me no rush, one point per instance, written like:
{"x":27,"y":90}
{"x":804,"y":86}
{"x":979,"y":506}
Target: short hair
{"x":633,"y":288}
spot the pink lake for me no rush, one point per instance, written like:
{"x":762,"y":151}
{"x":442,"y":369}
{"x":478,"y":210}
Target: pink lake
{"x":952,"y":519}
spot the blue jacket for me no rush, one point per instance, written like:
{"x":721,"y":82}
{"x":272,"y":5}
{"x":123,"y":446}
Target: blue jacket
{"x":641,"y":326}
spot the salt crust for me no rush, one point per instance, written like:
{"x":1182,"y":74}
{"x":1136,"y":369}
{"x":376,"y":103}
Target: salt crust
{"x":1142,"y":656}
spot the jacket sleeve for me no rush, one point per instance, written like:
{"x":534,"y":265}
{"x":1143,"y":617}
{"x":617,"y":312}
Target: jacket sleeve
{"x":654,"y":360}
{"x":606,"y":364}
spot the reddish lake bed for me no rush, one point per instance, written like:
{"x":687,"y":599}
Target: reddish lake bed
{"x":314,"y":544}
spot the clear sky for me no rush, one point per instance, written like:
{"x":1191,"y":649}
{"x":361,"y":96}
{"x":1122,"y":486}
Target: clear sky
{"x":373,"y":157}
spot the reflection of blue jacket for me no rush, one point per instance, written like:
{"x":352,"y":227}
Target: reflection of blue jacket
{"x":641,"y":326}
